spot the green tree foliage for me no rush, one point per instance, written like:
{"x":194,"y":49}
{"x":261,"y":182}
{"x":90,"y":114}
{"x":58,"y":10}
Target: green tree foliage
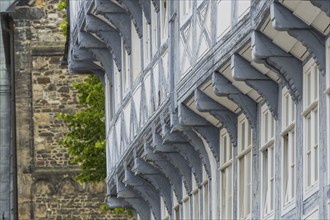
{"x":64,"y":25}
{"x":85,"y":139}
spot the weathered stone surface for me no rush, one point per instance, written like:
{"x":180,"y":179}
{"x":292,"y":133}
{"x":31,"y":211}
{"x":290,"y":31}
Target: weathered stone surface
{"x":46,"y":186}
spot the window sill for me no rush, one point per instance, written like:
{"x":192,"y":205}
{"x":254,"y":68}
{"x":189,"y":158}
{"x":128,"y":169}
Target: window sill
{"x":309,"y":108}
{"x":311,"y":190}
{"x":244,"y":152}
{"x":288,"y":128}
{"x":267,"y":144}
{"x":225,"y":165}
{"x":184,"y":19}
{"x":269,"y":215}
{"x":288,"y":206}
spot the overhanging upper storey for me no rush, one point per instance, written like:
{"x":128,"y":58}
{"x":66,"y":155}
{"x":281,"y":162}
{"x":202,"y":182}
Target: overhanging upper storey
{"x":177,"y":73}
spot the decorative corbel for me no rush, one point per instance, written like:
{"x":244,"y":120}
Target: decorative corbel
{"x":135,"y":200}
{"x":193,"y":140}
{"x":156,"y":178}
{"x":135,"y":11}
{"x":314,"y":41}
{"x":266,"y":87}
{"x":287,"y":67}
{"x":223,"y":87}
{"x":210,"y":133}
{"x":108,"y":35}
{"x":169,"y":170}
{"x":145,"y":189}
{"x":229,"y":119}
{"x":156,"y":4}
{"x":118,"y":17}
{"x":177,"y":160}
{"x":186,"y":150}
{"x":146,"y":7}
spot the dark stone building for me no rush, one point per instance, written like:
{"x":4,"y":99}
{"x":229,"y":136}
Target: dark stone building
{"x":39,"y":88}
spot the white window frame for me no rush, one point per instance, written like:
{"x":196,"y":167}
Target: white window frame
{"x":164,"y":20}
{"x":164,"y":213}
{"x":176,"y":211}
{"x":239,"y":8}
{"x":288,"y":167}
{"x":267,"y":156}
{"x":244,"y":159}
{"x":108,"y":100}
{"x":186,"y":7}
{"x":205,"y":187}
{"x":117,"y":87}
{"x":185,"y":203}
{"x":125,"y":70}
{"x":327,"y":92}
{"x":176,"y":207}
{"x":196,"y":205}
{"x":154,"y":31}
{"x":328,"y":208}
{"x":135,"y":56}
{"x":309,"y":215}
{"x":226,"y":175}
{"x":146,"y":42}
{"x":311,"y":127}
{"x":186,"y":207}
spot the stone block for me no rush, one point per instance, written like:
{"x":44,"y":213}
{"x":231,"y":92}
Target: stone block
{"x":43,"y":80}
{"x":41,"y":119}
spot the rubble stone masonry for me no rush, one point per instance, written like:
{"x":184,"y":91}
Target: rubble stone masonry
{"x":46,"y":186}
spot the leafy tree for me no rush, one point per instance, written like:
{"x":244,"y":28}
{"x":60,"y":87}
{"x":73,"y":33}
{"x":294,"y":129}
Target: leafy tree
{"x":85,"y":139}
{"x":64,"y":25}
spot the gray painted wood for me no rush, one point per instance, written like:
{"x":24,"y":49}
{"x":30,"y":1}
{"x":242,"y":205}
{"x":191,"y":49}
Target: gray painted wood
{"x":181,"y":90}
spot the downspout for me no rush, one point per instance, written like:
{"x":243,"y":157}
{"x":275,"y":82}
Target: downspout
{"x":8,"y":119}
{"x":4,"y":131}
{"x":13,"y":123}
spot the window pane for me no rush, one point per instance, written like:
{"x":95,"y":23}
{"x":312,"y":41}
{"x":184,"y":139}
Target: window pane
{"x":243,"y":135}
{"x":249,"y":135}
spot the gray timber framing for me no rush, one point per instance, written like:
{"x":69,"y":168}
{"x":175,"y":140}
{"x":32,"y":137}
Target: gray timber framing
{"x":166,"y":120}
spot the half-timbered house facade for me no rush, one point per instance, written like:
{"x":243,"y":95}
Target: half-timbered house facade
{"x":214,"y":109}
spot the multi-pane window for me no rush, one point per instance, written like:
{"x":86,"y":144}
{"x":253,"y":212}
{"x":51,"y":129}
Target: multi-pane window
{"x":288,"y":149}
{"x":154,"y":31}
{"x":226,"y":150}
{"x":164,"y":19}
{"x":195,"y":196}
{"x":311,"y":127}
{"x":177,"y":212}
{"x":223,"y":16}
{"x":176,"y":207}
{"x":146,"y":42}
{"x":185,"y":9}
{"x":117,"y":87}
{"x":244,"y":167}
{"x":267,"y":161}
{"x":108,"y":100}
{"x":229,"y":13}
{"x":195,"y":199}
{"x":164,"y":211}
{"x":186,"y":208}
{"x":136,"y":53}
{"x":328,"y":98}
{"x":185,"y":203}
{"x":205,"y":187}
{"x":125,"y":79}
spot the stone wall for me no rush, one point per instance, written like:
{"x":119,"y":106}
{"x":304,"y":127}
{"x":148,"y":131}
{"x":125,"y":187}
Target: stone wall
{"x":46,"y":186}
